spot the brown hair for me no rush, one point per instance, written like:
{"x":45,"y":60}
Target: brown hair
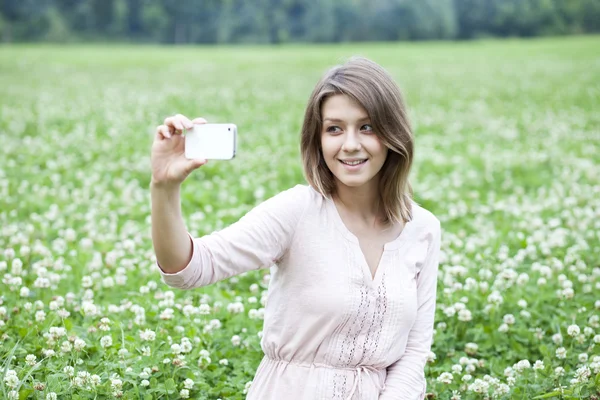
{"x":372,"y":87}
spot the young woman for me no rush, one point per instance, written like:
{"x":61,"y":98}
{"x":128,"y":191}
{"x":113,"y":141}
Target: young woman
{"x":354,"y":259}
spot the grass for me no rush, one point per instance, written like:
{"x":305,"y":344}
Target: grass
{"x":507,"y":156}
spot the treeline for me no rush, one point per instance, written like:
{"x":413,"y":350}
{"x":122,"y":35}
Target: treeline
{"x":279,"y":21}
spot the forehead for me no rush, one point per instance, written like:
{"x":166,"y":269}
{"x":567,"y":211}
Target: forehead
{"x":341,"y":106}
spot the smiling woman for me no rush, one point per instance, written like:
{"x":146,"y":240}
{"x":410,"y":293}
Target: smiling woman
{"x":354,"y":259}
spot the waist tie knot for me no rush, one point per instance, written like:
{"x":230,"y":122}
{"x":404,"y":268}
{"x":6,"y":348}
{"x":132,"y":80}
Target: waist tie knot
{"x":367,"y":369}
{"x":358,"y":381}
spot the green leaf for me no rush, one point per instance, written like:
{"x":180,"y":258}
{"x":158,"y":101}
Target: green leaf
{"x":548,"y":395}
{"x":170,"y":385}
{"x":24,"y":394}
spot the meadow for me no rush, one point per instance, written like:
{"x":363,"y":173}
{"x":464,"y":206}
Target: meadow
{"x":507,"y":157}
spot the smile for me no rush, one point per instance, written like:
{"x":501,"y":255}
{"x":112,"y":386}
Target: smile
{"x":353,"y":162}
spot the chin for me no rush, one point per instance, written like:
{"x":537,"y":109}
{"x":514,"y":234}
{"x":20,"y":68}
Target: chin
{"x":352,"y":183}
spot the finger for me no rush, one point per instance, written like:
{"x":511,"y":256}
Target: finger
{"x":173,"y":122}
{"x":187,"y":124}
{"x":199,"y":121}
{"x":194,"y":164}
{"x":162,"y":132}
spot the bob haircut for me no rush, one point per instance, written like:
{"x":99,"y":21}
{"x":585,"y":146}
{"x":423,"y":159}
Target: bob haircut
{"x":372,"y":87}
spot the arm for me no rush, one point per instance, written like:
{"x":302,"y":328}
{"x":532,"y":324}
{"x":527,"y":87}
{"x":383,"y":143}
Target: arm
{"x":256,"y":241}
{"x":406,"y":378}
{"x":170,"y":239}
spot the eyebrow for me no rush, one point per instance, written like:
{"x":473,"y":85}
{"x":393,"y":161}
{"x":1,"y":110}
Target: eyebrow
{"x":341,"y":120}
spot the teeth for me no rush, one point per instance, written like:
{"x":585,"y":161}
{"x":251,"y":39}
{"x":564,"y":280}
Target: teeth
{"x":353,"y":162}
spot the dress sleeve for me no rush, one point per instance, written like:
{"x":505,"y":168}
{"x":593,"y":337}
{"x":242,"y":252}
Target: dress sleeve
{"x":406,"y":377}
{"x":256,"y":241}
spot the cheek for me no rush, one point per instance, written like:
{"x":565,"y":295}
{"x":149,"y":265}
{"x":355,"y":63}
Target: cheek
{"x":328,"y":147}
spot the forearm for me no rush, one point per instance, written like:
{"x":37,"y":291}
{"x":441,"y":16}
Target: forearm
{"x":170,"y":238}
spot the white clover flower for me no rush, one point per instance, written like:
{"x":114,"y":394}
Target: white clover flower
{"x":235,"y":308}
{"x":479,"y":386}
{"x":89,"y":309}
{"x":175,"y":348}
{"x":539,"y":364}
{"x":509,"y":319}
{"x":10,"y":379}
{"x":583,"y":374}
{"x":79,"y":344}
{"x":188,"y":383}
{"x":561,"y":353}
{"x":40,"y":316}
{"x":30,"y":359}
{"x":465,"y":315}
{"x":204,"y":309}
{"x":431,"y":357}
{"x":184,"y":393}
{"x":147,"y":335}
{"x":186,"y":345}
{"x":521,"y":365}
{"x":455,"y":395}
{"x":66,"y":347}
{"x":95,"y":380}
{"x":445,"y":377}
{"x":116,"y":384}
{"x":48,"y":353}
{"x":573,"y":330}
{"x":167,"y":314}
{"x":51,"y":396}
{"x":502,"y":389}
{"x":62,"y":313}
{"x":69,"y":370}
{"x":557,"y":338}
{"x":24,"y":292}
{"x":145,"y":383}
{"x":106,"y":341}
{"x":583,"y":357}
{"x":13,"y":395}
{"x":235,"y":340}
{"x":471,"y":348}
{"x":503,"y":328}
{"x":224,"y":361}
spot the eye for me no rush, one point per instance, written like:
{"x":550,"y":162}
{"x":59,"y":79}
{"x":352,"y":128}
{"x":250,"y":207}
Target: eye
{"x":366,"y":128}
{"x":334,"y":129}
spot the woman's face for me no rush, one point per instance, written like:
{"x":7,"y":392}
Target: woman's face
{"x":352,"y":151}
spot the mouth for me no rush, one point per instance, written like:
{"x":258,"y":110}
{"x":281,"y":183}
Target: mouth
{"x":353,"y":162}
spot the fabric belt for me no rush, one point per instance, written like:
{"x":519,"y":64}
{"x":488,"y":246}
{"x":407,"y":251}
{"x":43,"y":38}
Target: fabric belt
{"x":367,"y":369}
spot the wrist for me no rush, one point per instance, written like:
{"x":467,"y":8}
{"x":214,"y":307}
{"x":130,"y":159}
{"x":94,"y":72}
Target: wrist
{"x":163,"y":186}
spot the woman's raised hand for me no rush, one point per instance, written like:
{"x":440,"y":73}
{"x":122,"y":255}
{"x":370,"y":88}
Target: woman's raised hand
{"x":169,"y":165}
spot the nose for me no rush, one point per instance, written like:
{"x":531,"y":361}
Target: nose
{"x":351,"y":142}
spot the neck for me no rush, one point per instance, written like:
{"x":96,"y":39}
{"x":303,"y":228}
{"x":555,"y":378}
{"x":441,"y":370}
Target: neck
{"x":363,"y":202}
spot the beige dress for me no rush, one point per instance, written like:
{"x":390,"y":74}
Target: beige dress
{"x":331,"y":331}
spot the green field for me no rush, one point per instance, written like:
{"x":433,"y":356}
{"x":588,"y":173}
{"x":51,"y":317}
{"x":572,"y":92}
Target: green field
{"x":507,"y":157}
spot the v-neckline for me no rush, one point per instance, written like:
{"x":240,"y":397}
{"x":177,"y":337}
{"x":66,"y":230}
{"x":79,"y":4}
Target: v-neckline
{"x":392,"y":245}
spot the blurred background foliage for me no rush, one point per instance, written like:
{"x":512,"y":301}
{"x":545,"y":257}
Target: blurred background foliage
{"x":281,"y":21}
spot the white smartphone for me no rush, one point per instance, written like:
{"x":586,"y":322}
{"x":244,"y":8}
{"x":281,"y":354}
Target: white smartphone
{"x":211,"y":141}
